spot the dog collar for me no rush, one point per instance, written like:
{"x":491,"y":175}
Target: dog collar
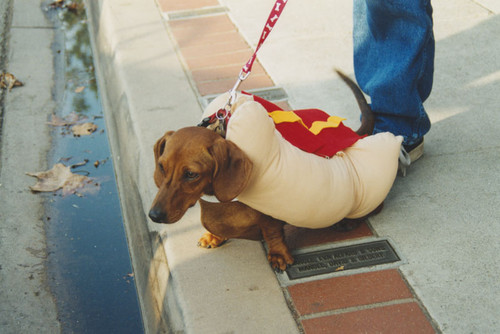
{"x":213,"y":199}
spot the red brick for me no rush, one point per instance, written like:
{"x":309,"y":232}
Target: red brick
{"x":235,"y":58}
{"x":218,"y":48}
{"x":405,"y":318}
{"x":185,"y":40}
{"x":297,"y":237}
{"x":224,"y":72}
{"x":196,"y":28}
{"x":221,"y":86}
{"x":173,"y":5}
{"x":349,"y":291}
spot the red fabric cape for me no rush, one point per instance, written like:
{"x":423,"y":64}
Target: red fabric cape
{"x":326,"y":143}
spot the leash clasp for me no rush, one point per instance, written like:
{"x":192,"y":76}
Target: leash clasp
{"x":232,"y":92}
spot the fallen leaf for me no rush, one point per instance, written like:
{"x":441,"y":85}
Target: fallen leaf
{"x":58,"y":121}
{"x":57,"y":4}
{"x":79,"y":89}
{"x":84,"y":129}
{"x":70,"y":119}
{"x":71,"y":6}
{"x":8,"y":80}
{"x":61,"y":177}
{"x":74,"y":7}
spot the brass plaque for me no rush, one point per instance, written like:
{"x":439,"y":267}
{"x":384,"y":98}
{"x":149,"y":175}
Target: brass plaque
{"x":342,"y":258}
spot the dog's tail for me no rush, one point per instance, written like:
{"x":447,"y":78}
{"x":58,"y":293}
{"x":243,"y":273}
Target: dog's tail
{"x":367,"y":117}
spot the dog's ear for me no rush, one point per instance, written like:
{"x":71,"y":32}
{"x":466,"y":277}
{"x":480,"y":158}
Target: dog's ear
{"x":160,"y":145}
{"x":232,"y":170}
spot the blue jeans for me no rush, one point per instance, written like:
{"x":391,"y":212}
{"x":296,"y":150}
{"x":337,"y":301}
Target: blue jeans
{"x":394,"y":63}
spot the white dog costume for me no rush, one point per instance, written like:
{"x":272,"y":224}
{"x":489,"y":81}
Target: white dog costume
{"x":305,"y":189}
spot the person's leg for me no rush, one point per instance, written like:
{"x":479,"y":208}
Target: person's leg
{"x":394,"y":63}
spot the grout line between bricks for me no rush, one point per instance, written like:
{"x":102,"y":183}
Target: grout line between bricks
{"x":195,"y":84}
{"x":185,"y":68}
{"x":195,"y":13}
{"x":357,"y":308}
{"x":216,"y":56}
{"x":251,"y":44}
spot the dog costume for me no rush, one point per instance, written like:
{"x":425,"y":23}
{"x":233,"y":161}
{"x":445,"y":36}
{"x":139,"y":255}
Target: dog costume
{"x":318,"y":184}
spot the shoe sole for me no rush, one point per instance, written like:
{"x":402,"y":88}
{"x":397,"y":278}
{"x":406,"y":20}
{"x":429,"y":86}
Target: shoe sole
{"x":411,"y":157}
{"x":417,"y":152}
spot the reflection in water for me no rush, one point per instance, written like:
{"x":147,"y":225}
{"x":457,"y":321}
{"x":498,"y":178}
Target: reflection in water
{"x":89,"y":266}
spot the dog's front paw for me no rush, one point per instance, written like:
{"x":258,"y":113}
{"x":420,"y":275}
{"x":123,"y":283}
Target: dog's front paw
{"x":208,"y":240}
{"x":279,"y":262}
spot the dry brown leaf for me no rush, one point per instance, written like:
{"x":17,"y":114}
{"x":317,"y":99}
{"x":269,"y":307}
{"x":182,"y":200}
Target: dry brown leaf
{"x":74,"y":7}
{"x":84,"y":129}
{"x":79,"y":89}
{"x":8,"y":80}
{"x":66,"y":121}
{"x":71,"y":6}
{"x":58,"y":121}
{"x":57,"y":4}
{"x":61,"y":177}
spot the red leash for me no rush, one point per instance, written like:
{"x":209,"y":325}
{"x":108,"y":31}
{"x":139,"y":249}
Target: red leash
{"x":271,"y":21}
{"x":224,"y":114}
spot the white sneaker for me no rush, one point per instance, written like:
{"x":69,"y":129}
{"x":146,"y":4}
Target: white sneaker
{"x":410,"y":154}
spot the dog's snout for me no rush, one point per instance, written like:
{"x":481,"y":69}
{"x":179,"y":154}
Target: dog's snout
{"x":157,"y":215}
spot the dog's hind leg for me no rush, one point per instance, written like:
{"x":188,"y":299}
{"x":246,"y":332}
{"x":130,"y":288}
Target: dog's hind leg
{"x":347,"y":225}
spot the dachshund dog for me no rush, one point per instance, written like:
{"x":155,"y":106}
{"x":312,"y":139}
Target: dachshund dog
{"x":194,"y":161}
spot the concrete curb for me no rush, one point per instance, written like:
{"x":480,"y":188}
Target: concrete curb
{"x":111,"y":54}
{"x":146,"y":92}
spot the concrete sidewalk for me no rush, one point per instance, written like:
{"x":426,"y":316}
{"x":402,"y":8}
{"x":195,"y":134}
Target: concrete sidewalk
{"x":155,"y":75}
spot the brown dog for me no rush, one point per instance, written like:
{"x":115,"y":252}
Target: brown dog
{"x":194,"y":161}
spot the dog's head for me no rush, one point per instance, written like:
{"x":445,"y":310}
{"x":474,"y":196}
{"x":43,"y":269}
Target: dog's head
{"x":191,"y":162}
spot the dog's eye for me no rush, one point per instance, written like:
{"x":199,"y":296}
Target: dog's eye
{"x":190,"y":176}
